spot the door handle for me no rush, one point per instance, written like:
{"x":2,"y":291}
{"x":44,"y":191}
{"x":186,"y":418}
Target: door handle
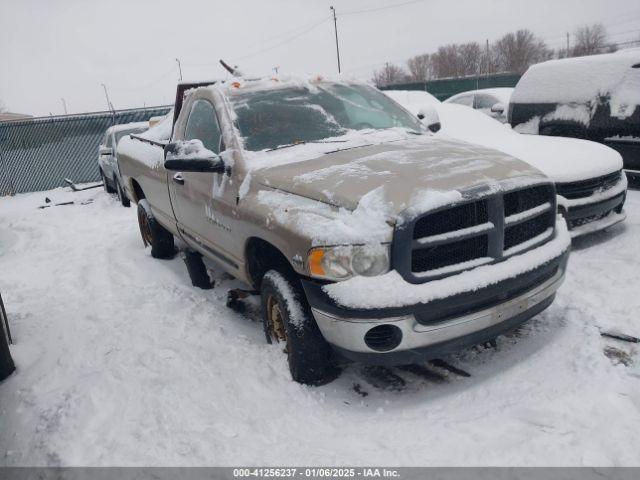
{"x":178,"y":178}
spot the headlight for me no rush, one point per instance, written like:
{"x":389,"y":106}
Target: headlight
{"x":343,"y":262}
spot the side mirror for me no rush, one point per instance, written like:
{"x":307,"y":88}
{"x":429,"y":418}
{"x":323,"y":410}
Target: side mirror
{"x":498,"y":108}
{"x":192,"y":156}
{"x":105,"y":151}
{"x":429,"y":116}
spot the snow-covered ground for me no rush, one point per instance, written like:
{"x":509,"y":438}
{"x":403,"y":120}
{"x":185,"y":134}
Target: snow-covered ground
{"x":122,"y":362}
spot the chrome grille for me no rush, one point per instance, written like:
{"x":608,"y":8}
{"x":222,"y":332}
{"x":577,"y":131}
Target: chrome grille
{"x":464,"y":236}
{"x":586,"y":188}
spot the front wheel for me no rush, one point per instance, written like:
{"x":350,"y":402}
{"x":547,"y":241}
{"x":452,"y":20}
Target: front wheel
{"x":154,"y":234}
{"x":287,"y":319}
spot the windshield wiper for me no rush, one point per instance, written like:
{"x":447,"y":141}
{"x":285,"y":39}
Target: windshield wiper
{"x":294,"y":144}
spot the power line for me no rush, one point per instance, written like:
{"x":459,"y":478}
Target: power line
{"x":377,"y":9}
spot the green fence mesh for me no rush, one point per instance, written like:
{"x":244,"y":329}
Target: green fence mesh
{"x":39,"y":153}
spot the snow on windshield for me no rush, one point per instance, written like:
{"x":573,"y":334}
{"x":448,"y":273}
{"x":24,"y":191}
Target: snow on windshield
{"x":293,"y":114}
{"x":582,"y":80}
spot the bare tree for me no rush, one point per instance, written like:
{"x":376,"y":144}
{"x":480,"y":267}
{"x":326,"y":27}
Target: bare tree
{"x":515,"y":52}
{"x":2,"y":107}
{"x":457,"y":60}
{"x":591,"y":39}
{"x":420,"y":68}
{"x":388,"y":75}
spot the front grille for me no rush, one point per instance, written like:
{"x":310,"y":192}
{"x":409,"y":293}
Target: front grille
{"x":439,"y":256}
{"x":454,"y":218}
{"x":586,"y":188}
{"x":522,"y":200}
{"x":524,"y":231}
{"x":466,"y":235}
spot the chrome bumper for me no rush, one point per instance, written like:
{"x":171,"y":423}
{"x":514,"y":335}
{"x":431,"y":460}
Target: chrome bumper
{"x":348,"y":333}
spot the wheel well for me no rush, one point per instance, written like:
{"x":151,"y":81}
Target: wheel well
{"x":137,"y":191}
{"x":261,"y":257}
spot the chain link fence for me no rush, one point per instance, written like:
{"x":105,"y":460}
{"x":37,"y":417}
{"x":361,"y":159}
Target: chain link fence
{"x":39,"y":153}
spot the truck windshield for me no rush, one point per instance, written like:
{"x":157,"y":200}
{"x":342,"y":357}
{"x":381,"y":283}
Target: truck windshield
{"x":284,"y":116}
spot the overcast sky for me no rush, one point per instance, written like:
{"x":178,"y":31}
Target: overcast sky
{"x":50,"y":49}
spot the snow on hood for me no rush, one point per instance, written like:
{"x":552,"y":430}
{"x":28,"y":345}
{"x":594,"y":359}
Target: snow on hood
{"x":402,"y":169}
{"x":584,"y":79}
{"x":561,"y":159}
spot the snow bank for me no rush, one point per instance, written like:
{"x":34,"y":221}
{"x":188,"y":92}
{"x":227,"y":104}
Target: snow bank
{"x":393,"y":291}
{"x":125,"y":363}
{"x":584,"y":79}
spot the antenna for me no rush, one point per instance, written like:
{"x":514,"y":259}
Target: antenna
{"x":232,"y":70}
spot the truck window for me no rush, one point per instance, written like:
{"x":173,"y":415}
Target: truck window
{"x":202,"y":125}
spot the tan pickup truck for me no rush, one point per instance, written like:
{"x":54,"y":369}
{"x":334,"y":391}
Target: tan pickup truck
{"x":368,"y":239}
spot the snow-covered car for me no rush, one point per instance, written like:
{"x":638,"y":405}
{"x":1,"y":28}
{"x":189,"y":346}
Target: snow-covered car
{"x":108,"y":161}
{"x":368,"y":238}
{"x":590,"y":184}
{"x":490,"y":101}
{"x":595,"y":97}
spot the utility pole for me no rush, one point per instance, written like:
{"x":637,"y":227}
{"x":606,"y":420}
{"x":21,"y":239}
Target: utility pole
{"x":106,"y":94}
{"x":64,"y":105}
{"x":179,"y":68}
{"x":487,"y":57}
{"x":567,"y":44}
{"x":335,"y":27}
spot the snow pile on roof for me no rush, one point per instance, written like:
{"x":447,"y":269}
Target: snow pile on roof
{"x":329,"y":225}
{"x":584,"y":79}
{"x":393,"y":291}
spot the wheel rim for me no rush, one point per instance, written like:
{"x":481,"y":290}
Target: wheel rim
{"x":275,"y":320}
{"x":145,"y":229}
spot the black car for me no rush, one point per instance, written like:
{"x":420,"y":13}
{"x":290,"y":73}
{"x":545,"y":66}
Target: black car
{"x":595,"y":97}
{"x":6,"y":362}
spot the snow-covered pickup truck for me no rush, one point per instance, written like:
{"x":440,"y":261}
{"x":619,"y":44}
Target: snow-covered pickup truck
{"x":368,"y":238}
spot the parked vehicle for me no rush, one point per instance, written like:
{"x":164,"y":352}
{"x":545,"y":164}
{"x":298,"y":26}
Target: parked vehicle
{"x":6,"y":362}
{"x":590,"y":184}
{"x":368,"y":238}
{"x":490,"y":101}
{"x":108,"y":162}
{"x":595,"y":98}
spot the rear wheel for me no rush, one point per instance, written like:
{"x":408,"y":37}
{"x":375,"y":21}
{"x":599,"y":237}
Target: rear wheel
{"x":124,"y":200}
{"x":287,"y":319}
{"x":154,"y":234}
{"x":105,"y":184}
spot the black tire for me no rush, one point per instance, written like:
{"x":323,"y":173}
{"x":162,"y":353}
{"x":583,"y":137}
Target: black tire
{"x":105,"y":184}
{"x":122,"y":196}
{"x":308,"y":353}
{"x":154,"y":234}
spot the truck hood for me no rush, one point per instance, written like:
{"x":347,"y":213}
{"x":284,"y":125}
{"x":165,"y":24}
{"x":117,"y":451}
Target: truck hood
{"x":405,"y":170}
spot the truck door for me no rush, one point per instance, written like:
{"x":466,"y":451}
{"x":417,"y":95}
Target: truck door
{"x":204,"y":202}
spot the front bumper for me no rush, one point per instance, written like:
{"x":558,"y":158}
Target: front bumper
{"x":592,"y":217}
{"x":441,"y":326}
